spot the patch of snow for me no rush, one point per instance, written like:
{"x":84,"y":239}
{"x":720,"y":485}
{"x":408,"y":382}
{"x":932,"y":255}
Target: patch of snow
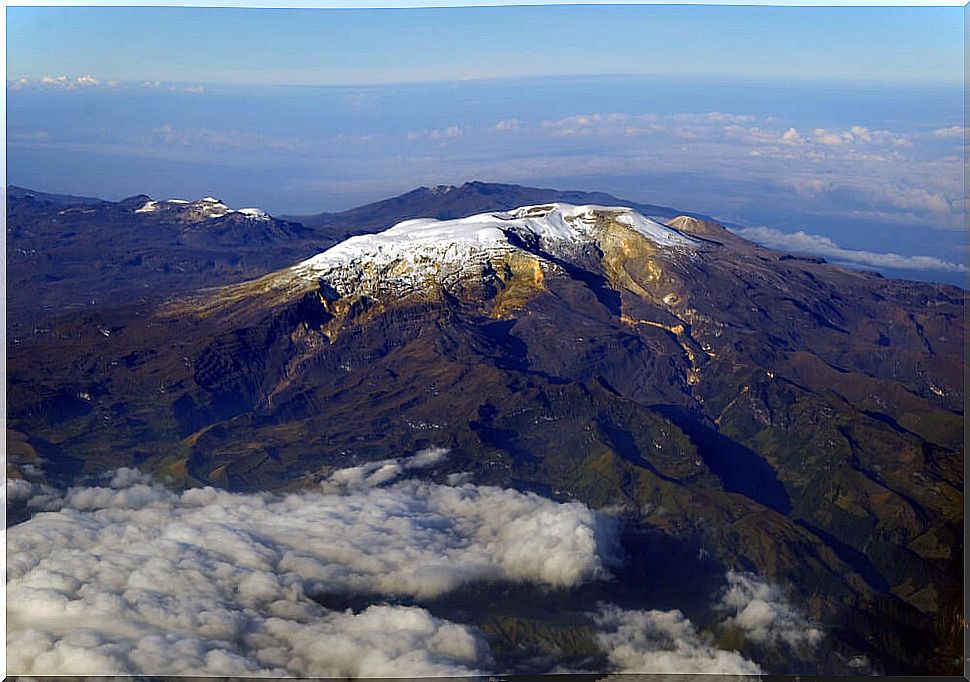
{"x":208,"y":207}
{"x":203,"y":209}
{"x":411,"y":252}
{"x":148,"y":207}
{"x":651,"y":229}
{"x":255,"y":213}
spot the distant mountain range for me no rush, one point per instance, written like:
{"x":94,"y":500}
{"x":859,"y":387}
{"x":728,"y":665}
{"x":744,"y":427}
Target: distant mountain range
{"x":774,"y":413}
{"x":15,"y":192}
{"x":447,"y":201}
{"x":64,"y":251}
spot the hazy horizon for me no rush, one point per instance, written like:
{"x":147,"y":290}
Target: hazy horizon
{"x":754,"y":124}
{"x":558,"y":440}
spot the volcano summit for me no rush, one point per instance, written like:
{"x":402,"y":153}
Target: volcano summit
{"x":732,"y":406}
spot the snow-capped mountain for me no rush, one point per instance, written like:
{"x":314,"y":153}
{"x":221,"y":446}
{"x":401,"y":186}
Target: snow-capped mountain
{"x":762,"y":410}
{"x":65,"y":252}
{"x":440,"y":251}
{"x":146,"y":246}
{"x":513,"y":252}
{"x":206,"y":208}
{"x":447,"y":202}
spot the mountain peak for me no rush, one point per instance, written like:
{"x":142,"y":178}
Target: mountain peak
{"x":133,"y":202}
{"x":450,"y":201}
{"x":416,"y":253}
{"x":203,"y":209}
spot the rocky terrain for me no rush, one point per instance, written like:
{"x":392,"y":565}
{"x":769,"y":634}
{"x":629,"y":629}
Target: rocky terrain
{"x":768,"y":412}
{"x":63,"y":251}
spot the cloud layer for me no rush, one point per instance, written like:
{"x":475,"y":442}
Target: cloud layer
{"x":824,"y":169}
{"x":656,"y":641}
{"x":64,"y":82}
{"x":133,"y":578}
{"x":803,"y":242}
{"x":764,"y":614}
{"x":663,"y":642}
{"x":130,"y":577}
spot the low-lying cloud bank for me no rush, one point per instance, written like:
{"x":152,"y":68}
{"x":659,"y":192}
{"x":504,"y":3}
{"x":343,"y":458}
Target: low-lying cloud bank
{"x":663,"y":642}
{"x":133,"y":578}
{"x":823,"y":246}
{"x":764,"y":614}
{"x":668,"y":642}
{"x":130,"y":577}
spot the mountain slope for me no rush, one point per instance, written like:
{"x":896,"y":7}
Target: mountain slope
{"x":65,"y":251}
{"x":798,"y":419}
{"x":73,"y":253}
{"x":16,"y":192}
{"x":446,"y":202}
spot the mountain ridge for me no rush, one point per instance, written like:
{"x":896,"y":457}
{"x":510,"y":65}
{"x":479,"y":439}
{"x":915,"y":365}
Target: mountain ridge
{"x":791,"y":417}
{"x":18,"y":192}
{"x":453,"y":201}
{"x":66,"y":251}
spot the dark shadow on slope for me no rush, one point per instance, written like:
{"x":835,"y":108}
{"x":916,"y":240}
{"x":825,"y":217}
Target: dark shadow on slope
{"x":740,"y":469}
{"x":505,"y":440}
{"x":859,"y":562}
{"x":623,"y":443}
{"x":514,"y":352}
{"x":534,"y":629}
{"x":597,"y":284}
{"x":60,"y":469}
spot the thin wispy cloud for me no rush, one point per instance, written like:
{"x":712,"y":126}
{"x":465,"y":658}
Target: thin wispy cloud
{"x":208,"y":138}
{"x":31,"y":136}
{"x":68,"y":83}
{"x":451,"y":132}
{"x":802,"y":242}
{"x":789,"y":169}
{"x":950,"y":132}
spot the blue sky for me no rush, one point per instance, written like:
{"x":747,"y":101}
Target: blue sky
{"x":834,"y":129}
{"x":320,"y":47}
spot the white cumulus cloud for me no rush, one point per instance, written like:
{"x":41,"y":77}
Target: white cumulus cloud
{"x":762,"y":611}
{"x":134,"y":578}
{"x":373,"y":474}
{"x":792,"y":136}
{"x":508,"y":125}
{"x":663,"y":642}
{"x":67,"y":82}
{"x":656,"y":641}
{"x":950,"y":132}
